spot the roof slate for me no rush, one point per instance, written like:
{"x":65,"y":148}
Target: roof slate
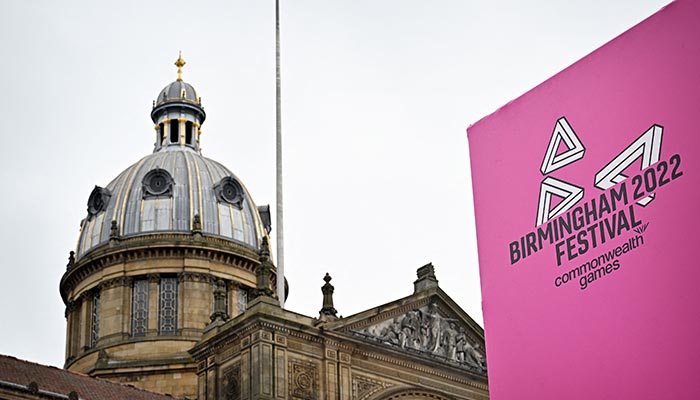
{"x":62,"y":382}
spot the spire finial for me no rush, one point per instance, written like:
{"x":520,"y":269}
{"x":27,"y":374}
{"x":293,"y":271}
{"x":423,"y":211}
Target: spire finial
{"x":179,"y":63}
{"x":328,"y":312}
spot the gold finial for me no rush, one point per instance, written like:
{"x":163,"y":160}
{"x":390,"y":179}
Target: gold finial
{"x":179,"y":63}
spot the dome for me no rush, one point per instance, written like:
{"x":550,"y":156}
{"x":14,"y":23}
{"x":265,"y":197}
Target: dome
{"x":175,"y":189}
{"x":178,"y":95}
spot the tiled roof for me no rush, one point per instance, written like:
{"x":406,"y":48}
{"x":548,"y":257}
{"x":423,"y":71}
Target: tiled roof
{"x":20,"y":376}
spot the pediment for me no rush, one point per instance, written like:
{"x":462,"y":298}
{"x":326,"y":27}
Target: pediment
{"x":427,"y":326}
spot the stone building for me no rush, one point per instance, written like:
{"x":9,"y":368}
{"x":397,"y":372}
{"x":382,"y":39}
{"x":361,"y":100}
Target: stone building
{"x":171,"y":289}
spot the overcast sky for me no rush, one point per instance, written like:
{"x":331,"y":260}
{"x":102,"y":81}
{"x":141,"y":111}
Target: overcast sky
{"x":377,"y":96}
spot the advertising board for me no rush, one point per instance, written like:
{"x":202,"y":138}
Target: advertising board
{"x":587,"y":202}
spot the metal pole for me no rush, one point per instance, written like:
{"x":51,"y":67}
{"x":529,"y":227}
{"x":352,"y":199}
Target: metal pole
{"x":280,"y":208}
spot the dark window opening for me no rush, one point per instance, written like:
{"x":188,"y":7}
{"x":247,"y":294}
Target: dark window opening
{"x":161,"y":133}
{"x":188,"y":133}
{"x":174,"y":131}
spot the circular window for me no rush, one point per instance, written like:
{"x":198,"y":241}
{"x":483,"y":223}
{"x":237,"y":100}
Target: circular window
{"x":157,"y":183}
{"x":97,"y":202}
{"x":230,"y":191}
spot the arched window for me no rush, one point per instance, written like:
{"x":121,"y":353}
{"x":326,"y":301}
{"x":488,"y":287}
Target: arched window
{"x":188,"y":133}
{"x":174,"y":131}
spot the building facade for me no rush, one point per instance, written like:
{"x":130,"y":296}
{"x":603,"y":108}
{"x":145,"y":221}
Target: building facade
{"x":171,"y":289}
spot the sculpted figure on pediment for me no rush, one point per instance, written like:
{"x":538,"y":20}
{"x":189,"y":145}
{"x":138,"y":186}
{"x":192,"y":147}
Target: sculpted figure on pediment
{"x":426,"y":330}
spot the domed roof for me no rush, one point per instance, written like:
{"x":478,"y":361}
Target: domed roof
{"x":175,"y":189}
{"x":178,"y":91}
{"x":168,"y":191}
{"x":178,"y":94}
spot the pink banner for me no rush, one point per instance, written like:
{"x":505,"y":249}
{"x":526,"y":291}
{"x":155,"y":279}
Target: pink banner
{"x":587,"y":200}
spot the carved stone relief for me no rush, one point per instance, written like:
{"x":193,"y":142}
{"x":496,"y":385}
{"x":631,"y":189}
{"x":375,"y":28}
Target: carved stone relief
{"x":303,"y":380}
{"x":231,"y":382}
{"x":363,"y":387}
{"x":426,"y":331}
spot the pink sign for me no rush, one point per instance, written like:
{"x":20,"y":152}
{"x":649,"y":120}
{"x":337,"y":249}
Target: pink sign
{"x":587,"y":198}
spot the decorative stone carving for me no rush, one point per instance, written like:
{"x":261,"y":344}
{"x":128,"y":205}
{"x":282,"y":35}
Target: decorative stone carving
{"x":263,"y":271}
{"x":116,"y":282}
{"x":219,"y":302}
{"x":231,"y":383}
{"x":303,"y":380}
{"x":429,"y":332}
{"x":71,"y":260}
{"x":328,"y":312}
{"x":197,"y":224}
{"x":114,"y":230}
{"x":363,"y":387}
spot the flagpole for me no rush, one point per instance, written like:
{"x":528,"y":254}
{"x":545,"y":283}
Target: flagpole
{"x":279,"y":208}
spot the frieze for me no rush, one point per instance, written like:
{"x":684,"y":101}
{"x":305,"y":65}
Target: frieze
{"x":103,"y":256}
{"x":195,"y":277}
{"x":117,"y":282}
{"x":393,"y":313}
{"x":428,"y":332}
{"x":228,"y":353}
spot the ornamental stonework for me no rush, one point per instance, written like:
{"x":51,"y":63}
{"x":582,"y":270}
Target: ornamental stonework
{"x":363,"y":387}
{"x":231,"y":383}
{"x":303,"y":380}
{"x":427,"y":331}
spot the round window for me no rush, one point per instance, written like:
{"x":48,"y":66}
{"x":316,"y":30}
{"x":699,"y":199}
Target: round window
{"x":97,"y":202}
{"x":229,"y":191}
{"x":157,"y":183}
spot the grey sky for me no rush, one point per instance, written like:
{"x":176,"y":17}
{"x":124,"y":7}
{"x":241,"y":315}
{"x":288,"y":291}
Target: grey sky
{"x":377,"y":96}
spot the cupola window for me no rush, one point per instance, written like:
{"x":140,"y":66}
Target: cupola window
{"x":174,"y":131}
{"x":188,"y":133}
{"x":161,"y":133}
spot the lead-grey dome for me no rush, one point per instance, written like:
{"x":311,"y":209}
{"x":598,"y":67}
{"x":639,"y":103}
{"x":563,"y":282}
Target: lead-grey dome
{"x":175,"y":189}
{"x":165,"y":192}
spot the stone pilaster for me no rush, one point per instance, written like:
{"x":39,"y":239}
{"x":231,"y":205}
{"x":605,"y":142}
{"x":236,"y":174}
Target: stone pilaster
{"x":153,"y":298}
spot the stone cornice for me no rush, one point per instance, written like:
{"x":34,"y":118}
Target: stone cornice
{"x":162,"y":246}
